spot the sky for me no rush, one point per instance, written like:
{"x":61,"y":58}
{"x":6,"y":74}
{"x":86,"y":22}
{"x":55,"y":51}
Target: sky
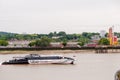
{"x":71,"y":16}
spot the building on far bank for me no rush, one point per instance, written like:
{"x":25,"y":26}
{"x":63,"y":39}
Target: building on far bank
{"x":59,"y":44}
{"x":95,"y":38}
{"x":93,"y":42}
{"x":18,"y":43}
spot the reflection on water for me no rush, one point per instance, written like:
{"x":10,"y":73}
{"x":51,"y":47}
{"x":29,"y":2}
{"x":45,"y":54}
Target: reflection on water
{"x":87,"y":67}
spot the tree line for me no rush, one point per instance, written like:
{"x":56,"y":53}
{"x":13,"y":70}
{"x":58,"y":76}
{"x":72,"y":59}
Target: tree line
{"x":59,"y":36}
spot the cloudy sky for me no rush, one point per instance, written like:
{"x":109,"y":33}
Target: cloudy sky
{"x":71,"y":16}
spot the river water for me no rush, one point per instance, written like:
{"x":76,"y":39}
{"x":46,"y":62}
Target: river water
{"x":87,"y":67}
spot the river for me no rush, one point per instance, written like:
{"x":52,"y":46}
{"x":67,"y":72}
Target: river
{"x":87,"y":67}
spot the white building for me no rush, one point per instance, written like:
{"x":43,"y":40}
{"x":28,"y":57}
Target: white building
{"x":18,"y":43}
{"x":102,"y":33}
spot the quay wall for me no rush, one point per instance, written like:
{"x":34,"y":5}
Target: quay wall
{"x":65,"y":49}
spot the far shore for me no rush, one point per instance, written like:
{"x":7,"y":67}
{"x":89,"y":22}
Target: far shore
{"x":54,"y":52}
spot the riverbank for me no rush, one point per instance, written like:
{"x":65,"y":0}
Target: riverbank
{"x":56,"y":52}
{"x":46,"y":51}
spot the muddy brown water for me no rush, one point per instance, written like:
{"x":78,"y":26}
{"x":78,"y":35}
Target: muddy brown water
{"x":86,"y":67}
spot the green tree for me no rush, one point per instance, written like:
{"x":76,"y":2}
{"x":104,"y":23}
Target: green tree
{"x":104,"y":41}
{"x":82,"y":41}
{"x":50,"y":34}
{"x":61,"y":33}
{"x":64,"y":43}
{"x":3,"y":43}
{"x":43,"y":42}
{"x":88,"y":34}
{"x":55,"y":33}
{"x":32,"y":43}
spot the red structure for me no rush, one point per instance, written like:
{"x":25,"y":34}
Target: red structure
{"x":113,"y":39}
